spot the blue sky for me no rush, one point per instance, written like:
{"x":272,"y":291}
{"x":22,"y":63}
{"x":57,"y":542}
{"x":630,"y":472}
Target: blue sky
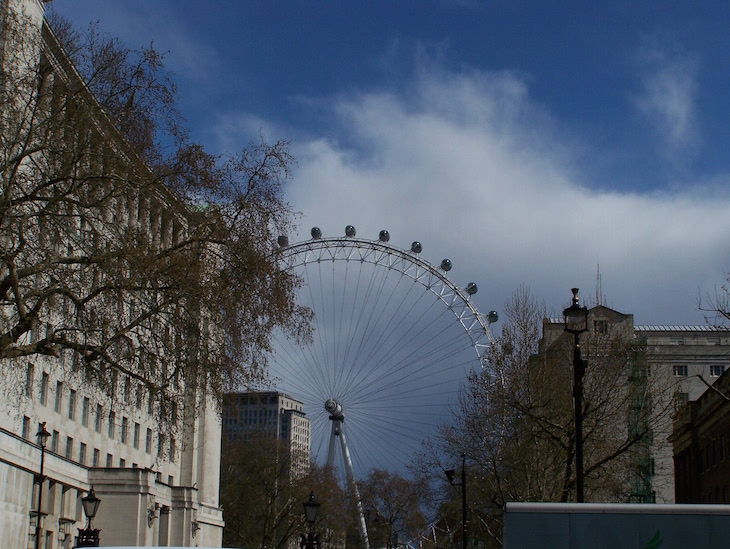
{"x":527,"y":142}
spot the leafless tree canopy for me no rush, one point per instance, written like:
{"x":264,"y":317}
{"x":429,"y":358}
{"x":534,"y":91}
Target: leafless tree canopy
{"x":395,"y":506}
{"x":716,"y":305}
{"x":126,"y":250}
{"x":263,"y":499}
{"x":516,"y":422}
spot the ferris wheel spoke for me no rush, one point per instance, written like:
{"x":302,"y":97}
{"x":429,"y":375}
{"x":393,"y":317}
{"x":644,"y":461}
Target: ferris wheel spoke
{"x":373,"y":309}
{"x":399,"y":350}
{"x":411,"y":367}
{"x":367,"y":307}
{"x":395,"y":440}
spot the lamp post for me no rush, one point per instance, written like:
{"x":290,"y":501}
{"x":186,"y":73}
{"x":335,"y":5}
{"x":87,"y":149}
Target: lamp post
{"x":89,"y":536}
{"x":310,"y":541}
{"x":42,"y":436}
{"x":450,"y":475}
{"x":576,"y":322}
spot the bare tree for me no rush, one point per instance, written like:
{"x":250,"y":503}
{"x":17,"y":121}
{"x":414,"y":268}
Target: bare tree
{"x":395,"y":506}
{"x":262,"y":498}
{"x":516,"y":421}
{"x":127,"y":251}
{"x":716,"y":305}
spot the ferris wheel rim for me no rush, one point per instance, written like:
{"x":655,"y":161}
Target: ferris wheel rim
{"x":455,"y":298}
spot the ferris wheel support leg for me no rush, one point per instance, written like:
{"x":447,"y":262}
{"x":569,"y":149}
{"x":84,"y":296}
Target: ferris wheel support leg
{"x":334,"y":432}
{"x":350,"y":474}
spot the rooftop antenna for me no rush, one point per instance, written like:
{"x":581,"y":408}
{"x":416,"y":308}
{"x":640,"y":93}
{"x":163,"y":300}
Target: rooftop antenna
{"x":599,"y":289}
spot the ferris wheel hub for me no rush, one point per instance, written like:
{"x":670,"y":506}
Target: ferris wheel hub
{"x":334,"y":409}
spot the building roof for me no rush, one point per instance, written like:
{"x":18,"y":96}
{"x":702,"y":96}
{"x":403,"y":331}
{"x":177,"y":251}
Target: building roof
{"x":660,"y":328}
{"x":676,"y":328}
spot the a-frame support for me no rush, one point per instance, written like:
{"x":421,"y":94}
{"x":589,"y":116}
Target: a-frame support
{"x":338,"y":432}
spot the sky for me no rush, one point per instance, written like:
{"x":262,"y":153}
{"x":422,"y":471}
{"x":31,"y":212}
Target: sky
{"x":528,"y":142}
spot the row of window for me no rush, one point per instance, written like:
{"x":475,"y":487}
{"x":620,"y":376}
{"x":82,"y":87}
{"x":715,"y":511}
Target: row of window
{"x":713,"y":454}
{"x":682,"y":370}
{"x":69,"y":448}
{"x":716,"y":496}
{"x":71,"y":410}
{"x":58,"y":406}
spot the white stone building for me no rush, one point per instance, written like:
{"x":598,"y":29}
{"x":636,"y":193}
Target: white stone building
{"x":690,"y":358}
{"x":156,"y":488}
{"x":682,"y":362}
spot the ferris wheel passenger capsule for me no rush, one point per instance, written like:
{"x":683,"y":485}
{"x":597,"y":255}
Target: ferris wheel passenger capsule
{"x":384,"y":236}
{"x":350,"y":231}
{"x":316,"y":233}
{"x":492,"y":317}
{"x":283,"y":241}
{"x":446,"y":265}
{"x":416,"y":247}
{"x":471,"y":288}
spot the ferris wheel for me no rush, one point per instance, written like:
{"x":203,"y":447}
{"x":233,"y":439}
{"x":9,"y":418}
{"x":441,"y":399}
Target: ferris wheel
{"x":394,"y":340}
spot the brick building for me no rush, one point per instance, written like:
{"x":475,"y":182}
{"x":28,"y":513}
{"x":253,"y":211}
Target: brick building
{"x":701,"y":443}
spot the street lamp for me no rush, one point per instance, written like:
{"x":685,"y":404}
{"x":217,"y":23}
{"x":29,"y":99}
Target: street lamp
{"x":310,"y":541}
{"x":89,"y":536}
{"x":42,"y":436}
{"x":450,"y":475}
{"x":576,"y":322}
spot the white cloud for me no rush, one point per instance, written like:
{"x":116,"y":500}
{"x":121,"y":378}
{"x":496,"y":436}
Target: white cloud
{"x":668,"y":95}
{"x":477,"y":173}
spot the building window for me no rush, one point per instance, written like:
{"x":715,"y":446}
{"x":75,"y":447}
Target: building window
{"x":85,"y":412}
{"x":125,"y":428}
{"x":26,"y":428}
{"x":59,"y":396}
{"x":135,"y":440}
{"x":172,"y":449}
{"x":716,"y":370}
{"x":54,"y":442}
{"x":99,"y":418}
{"x":148,"y":441}
{"x":72,"y":405}
{"x":122,"y":463}
{"x":680,"y":370}
{"x":95,"y":458}
{"x":600,"y":326}
{"x":69,"y":447}
{"x":127,"y":389}
{"x":82,"y":454}
{"x":44,"y":389}
{"x":140,"y":397}
{"x":109,"y":460}
{"x":160,"y":445}
{"x":30,"y":372}
{"x":112,"y":419}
